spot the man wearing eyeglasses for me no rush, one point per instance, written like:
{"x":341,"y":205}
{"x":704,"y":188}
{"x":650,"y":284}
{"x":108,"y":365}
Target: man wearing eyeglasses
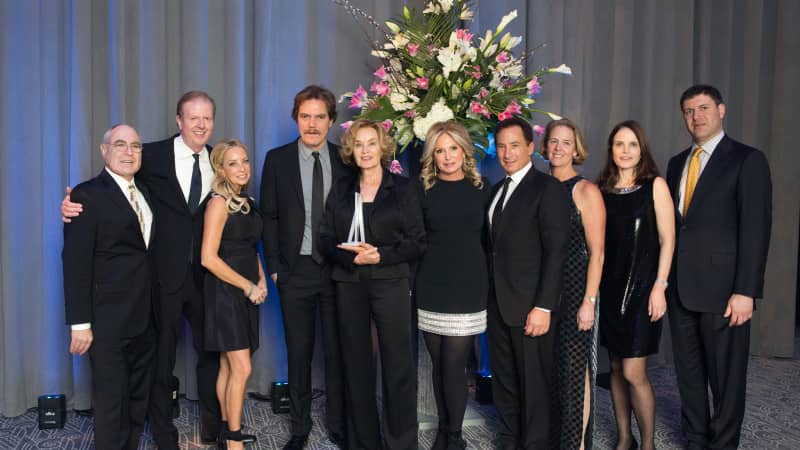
{"x":108,"y":288}
{"x":178,"y":172}
{"x":723,"y":197}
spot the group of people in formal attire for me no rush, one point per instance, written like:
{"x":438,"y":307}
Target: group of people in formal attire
{"x":547,"y":264}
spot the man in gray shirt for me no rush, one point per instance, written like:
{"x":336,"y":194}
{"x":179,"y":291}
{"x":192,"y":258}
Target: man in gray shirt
{"x":295,"y":182}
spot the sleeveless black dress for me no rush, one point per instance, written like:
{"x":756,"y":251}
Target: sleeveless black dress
{"x":576,"y":350}
{"x":231,"y":320}
{"x":629,"y":272}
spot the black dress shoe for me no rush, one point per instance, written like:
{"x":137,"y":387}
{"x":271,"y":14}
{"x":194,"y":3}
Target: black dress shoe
{"x":296,"y":442}
{"x":338,"y":439}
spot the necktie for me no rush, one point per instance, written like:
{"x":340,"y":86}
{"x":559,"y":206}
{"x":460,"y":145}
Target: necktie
{"x":136,"y":208}
{"x":691,"y":178}
{"x":317,"y":189}
{"x":498,"y":208}
{"x":196,"y":185}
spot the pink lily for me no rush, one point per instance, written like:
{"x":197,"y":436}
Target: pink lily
{"x":478,"y":108}
{"x":412,"y":49}
{"x":387,"y":124}
{"x":395,"y":167}
{"x":463,"y":35}
{"x":534,"y":88}
{"x":381,"y":88}
{"x":422,"y":82}
{"x":538,"y":130}
{"x":381,"y":73}
{"x":502,"y":57}
{"x":346,"y":125}
{"x":359,"y":98}
{"x":503,"y":116}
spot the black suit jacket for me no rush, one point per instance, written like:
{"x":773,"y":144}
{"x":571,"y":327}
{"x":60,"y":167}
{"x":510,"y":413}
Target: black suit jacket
{"x":282,"y":205}
{"x":394,"y":225}
{"x":179,"y":232}
{"x":527,"y":256}
{"x":722,"y":243}
{"x":107,"y":268}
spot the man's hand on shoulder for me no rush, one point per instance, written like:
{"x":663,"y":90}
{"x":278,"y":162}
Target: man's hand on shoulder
{"x":538,"y":322}
{"x":739,"y":310}
{"x":81,"y":341}
{"x":69,"y":209}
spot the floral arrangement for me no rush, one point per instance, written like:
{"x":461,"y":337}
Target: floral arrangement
{"x":433,"y":71}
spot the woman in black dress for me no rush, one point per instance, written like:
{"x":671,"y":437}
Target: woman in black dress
{"x":640,"y":238}
{"x":372,"y":282}
{"x":452,"y":279}
{"x":576,"y":343}
{"x":235,"y":284}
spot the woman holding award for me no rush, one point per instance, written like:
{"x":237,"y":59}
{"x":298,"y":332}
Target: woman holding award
{"x":371,"y":230}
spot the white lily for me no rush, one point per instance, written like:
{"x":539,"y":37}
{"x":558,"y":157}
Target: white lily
{"x":505,"y":21}
{"x":392,"y":26}
{"x":466,"y":14}
{"x":562,"y":69}
{"x":450,"y":60}
{"x":554,"y":116}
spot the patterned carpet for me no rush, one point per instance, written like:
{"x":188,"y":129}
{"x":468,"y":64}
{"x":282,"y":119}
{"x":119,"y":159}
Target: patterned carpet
{"x":772,"y":420}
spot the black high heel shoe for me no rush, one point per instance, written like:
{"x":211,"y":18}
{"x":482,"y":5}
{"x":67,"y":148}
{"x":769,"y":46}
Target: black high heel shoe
{"x":237,"y":436}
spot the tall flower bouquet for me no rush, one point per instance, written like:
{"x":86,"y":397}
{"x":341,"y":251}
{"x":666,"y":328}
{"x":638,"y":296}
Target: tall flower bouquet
{"x":432,"y":70}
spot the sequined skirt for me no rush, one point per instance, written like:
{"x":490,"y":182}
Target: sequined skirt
{"x":452,"y":324}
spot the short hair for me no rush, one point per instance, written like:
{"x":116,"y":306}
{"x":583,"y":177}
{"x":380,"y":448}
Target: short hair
{"x":194,"y":95}
{"x":315,"y":92}
{"x":699,"y":89}
{"x":107,"y":134}
{"x":459,"y":134}
{"x":646,"y":169}
{"x":527,"y":130}
{"x":385,"y":142}
{"x":580,"y":147}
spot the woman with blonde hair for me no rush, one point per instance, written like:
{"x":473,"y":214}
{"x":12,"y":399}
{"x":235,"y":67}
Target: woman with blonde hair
{"x":235,"y":284}
{"x":452,"y":280}
{"x":371,"y":270}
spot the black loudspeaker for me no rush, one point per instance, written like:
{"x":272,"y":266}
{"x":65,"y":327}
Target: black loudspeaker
{"x":483,"y":387}
{"x":52,"y":411}
{"x":280,"y":397}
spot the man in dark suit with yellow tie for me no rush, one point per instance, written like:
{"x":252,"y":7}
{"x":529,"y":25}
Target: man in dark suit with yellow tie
{"x":723,"y":196}
{"x":108,"y":282}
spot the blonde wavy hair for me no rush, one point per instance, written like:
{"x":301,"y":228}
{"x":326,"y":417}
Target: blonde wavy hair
{"x":385,"y":142}
{"x":221,"y":185}
{"x":456,"y":131}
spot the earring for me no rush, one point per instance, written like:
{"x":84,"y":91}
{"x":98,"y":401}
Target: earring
{"x":434,"y":170}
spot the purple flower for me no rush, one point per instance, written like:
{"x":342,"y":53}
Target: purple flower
{"x":395,"y":167}
{"x":534,"y":88}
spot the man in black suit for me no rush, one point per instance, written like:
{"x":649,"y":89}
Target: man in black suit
{"x":528,"y":233}
{"x":178,"y":173}
{"x":723,"y":196}
{"x":108,"y":287}
{"x":295,"y":182}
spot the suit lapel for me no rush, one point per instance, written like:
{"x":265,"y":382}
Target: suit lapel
{"x":146,"y":194}
{"x":118,"y":198}
{"x":172,"y":175}
{"x":674,"y":178}
{"x":713,"y":170}
{"x":293,"y":166}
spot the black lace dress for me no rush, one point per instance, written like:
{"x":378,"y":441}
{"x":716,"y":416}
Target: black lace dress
{"x":629,"y":272}
{"x":576,"y":350}
{"x":231,"y":320}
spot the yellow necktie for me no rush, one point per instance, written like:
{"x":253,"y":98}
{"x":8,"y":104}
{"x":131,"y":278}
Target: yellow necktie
{"x":691,"y":178}
{"x":136,"y":207}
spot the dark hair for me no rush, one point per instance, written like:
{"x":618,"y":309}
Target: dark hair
{"x":527,"y":130}
{"x":699,"y":89}
{"x":194,"y":95}
{"x":646,"y":170}
{"x":385,"y":142}
{"x":580,"y":147}
{"x":315,"y":92}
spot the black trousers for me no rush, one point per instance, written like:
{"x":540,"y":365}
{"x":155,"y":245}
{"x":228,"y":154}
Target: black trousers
{"x":708,"y":352}
{"x":170,"y":307}
{"x":387,"y":303}
{"x":522,"y":378}
{"x":122,"y":370}
{"x":308,"y":289}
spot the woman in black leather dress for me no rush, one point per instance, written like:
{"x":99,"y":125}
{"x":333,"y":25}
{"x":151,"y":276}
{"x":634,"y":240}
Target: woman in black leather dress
{"x":640,"y":239}
{"x":372,"y":282}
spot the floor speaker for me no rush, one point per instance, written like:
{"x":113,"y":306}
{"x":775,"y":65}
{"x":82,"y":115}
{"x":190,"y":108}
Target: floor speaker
{"x":52,"y":411}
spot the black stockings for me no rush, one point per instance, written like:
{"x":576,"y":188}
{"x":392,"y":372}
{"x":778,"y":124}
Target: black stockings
{"x":449,"y":356}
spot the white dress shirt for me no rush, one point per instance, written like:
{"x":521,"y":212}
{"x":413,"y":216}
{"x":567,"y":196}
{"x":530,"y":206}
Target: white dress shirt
{"x":705,"y":155}
{"x":147,"y":217}
{"x":184,"y":164}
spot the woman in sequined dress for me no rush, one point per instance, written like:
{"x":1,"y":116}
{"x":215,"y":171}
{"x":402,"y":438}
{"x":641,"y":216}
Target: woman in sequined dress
{"x":640,"y":239}
{"x":452,"y":280}
{"x":576,"y":342}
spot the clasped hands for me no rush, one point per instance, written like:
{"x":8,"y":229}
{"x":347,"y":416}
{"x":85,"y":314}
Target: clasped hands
{"x":258,"y":292}
{"x":366,"y":254}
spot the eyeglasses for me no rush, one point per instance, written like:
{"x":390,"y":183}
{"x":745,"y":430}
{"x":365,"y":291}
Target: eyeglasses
{"x":702,"y":109}
{"x":121,"y":146}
